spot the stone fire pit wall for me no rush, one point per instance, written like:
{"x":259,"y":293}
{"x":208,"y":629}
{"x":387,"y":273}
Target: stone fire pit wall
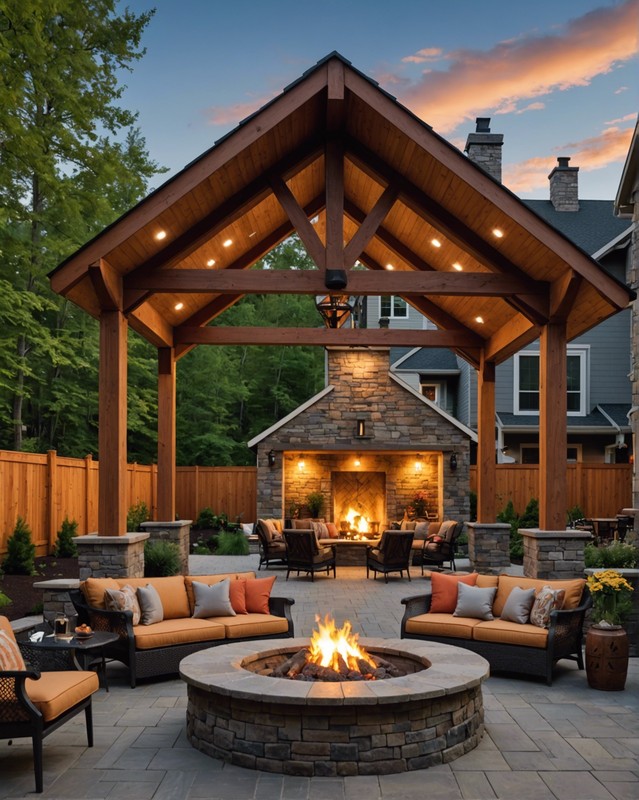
{"x":323,"y":729}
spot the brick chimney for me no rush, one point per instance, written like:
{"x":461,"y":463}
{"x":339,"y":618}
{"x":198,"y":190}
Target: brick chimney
{"x":484,"y":148}
{"x":564,"y":186}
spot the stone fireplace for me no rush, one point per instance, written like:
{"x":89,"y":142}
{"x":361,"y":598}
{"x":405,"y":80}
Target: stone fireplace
{"x":367,"y":441}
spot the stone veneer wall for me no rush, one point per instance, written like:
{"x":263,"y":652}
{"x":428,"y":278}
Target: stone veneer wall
{"x":395,"y":420}
{"x":554,"y":554}
{"x":111,"y":556}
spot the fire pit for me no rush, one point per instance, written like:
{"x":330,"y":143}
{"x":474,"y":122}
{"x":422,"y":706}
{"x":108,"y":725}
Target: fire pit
{"x":431,"y":715}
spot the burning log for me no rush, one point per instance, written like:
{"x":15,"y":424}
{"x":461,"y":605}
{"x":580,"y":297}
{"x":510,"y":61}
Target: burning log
{"x":292,"y":666}
{"x":392,"y":670}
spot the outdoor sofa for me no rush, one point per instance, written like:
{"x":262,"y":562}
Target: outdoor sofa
{"x":508,"y":646}
{"x":154,"y":649}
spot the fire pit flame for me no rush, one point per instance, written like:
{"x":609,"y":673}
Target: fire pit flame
{"x":330,"y":643}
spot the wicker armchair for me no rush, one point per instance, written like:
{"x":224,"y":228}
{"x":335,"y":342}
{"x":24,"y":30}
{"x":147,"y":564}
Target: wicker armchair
{"x":43,"y":705}
{"x":392,"y":555}
{"x":271,"y":550}
{"x":441,"y":547}
{"x":306,"y":555}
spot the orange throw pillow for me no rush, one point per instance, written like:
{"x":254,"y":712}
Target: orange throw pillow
{"x":237,"y":596}
{"x":444,"y":591}
{"x":258,"y":592}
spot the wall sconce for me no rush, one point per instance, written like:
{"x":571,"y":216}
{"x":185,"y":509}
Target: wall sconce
{"x":271,"y":458}
{"x":453,"y":462}
{"x":418,"y":463}
{"x":300,"y":463}
{"x":360,"y":430}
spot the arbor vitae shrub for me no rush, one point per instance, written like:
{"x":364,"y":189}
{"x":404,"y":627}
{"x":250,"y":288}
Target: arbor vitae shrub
{"x":161,"y":559}
{"x":65,"y":546}
{"x":20,"y":558}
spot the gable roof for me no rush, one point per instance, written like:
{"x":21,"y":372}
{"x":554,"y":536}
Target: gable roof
{"x":335,"y":158}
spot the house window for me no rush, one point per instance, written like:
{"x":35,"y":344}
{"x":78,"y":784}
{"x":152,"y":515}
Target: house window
{"x":391,"y":306}
{"x":526,"y":382}
{"x":432,"y":391}
{"x":530,"y":453}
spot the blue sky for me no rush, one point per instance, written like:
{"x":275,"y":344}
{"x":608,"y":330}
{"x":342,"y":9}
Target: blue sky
{"x":557,"y":78}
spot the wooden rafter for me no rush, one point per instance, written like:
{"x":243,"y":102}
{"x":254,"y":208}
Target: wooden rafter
{"x":369,"y":226}
{"x":107,"y":284}
{"x":563,"y":293}
{"x":300,"y":221}
{"x":334,"y":183}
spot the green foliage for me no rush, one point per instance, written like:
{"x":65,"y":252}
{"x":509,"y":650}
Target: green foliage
{"x":4,"y":600}
{"x":510,"y":516}
{"x":200,"y":549}
{"x":232,"y":543}
{"x":208,"y":520}
{"x":20,"y":558}
{"x":65,"y":546}
{"x":161,"y":559}
{"x":530,"y":517}
{"x":574,"y":513}
{"x":136,"y":515}
{"x":614,"y":555}
{"x":315,"y":502}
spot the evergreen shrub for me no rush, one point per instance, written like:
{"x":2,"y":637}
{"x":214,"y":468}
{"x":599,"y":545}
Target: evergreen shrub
{"x":20,"y":558}
{"x":136,"y":515}
{"x":161,"y":559}
{"x":232,"y":543}
{"x":65,"y":546}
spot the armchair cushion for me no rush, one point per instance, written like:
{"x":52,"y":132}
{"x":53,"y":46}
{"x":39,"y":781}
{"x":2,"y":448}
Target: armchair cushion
{"x":10,"y":655}
{"x":56,"y":692}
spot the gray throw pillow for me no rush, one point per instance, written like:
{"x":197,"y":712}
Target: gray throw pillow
{"x":150,"y":605}
{"x":212,"y":601}
{"x":421,"y":530}
{"x":518,"y":604}
{"x":475,"y":602}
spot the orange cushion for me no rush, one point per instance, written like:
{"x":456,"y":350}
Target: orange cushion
{"x":172,"y":593}
{"x":444,"y":589}
{"x":442,"y":625}
{"x":209,"y":580}
{"x":57,"y":692}
{"x":487,"y":581}
{"x":332,"y":530}
{"x":248,"y":625}
{"x":93,"y":590}
{"x":258,"y":592}
{"x":237,"y":596}
{"x":507,"y":583}
{"x":5,"y":625}
{"x":176,"y":631}
{"x":499,"y":630}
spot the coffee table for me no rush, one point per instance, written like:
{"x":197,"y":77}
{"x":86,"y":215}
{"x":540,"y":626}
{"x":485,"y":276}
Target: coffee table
{"x":84,"y":650}
{"x":352,"y":552}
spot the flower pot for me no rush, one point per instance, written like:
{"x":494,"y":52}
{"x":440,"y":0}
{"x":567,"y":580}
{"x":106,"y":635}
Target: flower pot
{"x":607,"y":658}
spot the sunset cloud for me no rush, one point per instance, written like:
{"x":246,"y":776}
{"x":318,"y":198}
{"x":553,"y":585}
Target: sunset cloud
{"x":596,"y":152}
{"x":627,"y":118}
{"x":231,"y":115}
{"x":421,"y":56}
{"x":527,"y":67}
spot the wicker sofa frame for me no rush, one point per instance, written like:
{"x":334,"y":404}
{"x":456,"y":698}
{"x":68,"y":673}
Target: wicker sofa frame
{"x":565,"y":638}
{"x":161,"y":660}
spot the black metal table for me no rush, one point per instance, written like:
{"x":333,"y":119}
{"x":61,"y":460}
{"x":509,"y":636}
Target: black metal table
{"x":83,"y":650}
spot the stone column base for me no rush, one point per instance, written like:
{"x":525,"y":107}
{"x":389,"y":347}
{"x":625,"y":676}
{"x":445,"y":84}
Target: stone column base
{"x":489,"y":546}
{"x":55,"y":597}
{"x":556,"y":555}
{"x":111,"y":556}
{"x":178,"y":532}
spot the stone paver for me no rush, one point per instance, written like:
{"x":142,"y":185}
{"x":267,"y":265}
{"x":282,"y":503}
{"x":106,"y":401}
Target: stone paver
{"x":561,"y":742}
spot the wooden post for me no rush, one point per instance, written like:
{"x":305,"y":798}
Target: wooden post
{"x":486,"y":467}
{"x":88,"y":505}
{"x":166,"y":434}
{"x":334,"y":168}
{"x":52,"y":498}
{"x":553,"y":438}
{"x":112,"y":433}
{"x":154,"y":491}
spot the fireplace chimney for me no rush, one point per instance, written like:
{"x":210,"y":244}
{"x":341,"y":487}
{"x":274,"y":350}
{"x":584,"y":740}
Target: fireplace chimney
{"x":484,"y":148}
{"x":564,"y":186}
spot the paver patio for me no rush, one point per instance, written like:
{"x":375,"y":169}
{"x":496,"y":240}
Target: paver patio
{"x":566,"y":741}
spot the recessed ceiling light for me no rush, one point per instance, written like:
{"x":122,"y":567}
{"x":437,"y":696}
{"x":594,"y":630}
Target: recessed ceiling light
{"x":179,"y":306}
{"x":457,"y":266}
{"x":252,"y":234}
{"x":389,"y":266}
{"x":479,"y":319}
{"x":498,"y":233}
{"x":160,"y":235}
{"x":210,"y":262}
{"x":227,"y":242}
{"x":435,"y":242}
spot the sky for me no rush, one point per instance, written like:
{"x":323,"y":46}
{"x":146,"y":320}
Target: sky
{"x":557,"y":77}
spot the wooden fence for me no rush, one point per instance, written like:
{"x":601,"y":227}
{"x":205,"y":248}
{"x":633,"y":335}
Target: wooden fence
{"x":44,"y":489}
{"x":600,"y":490}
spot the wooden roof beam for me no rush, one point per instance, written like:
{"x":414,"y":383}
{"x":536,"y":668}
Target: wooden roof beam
{"x":449,"y":225}
{"x":335,"y":105}
{"x":404,"y":282}
{"x":563,"y":293}
{"x":334,"y":184}
{"x":300,"y":221}
{"x":510,"y":339}
{"x":107,"y":285}
{"x":324,"y":337}
{"x":369,"y":225}
{"x":150,"y":324}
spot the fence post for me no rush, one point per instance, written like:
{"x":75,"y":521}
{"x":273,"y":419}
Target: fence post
{"x":196,"y":487}
{"x":154,"y":491}
{"x":87,"y":493}
{"x":52,"y":492}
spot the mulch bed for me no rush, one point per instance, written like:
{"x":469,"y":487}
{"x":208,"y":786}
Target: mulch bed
{"x":26,"y":599}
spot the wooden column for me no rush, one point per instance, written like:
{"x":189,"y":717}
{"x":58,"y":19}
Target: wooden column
{"x":334,"y":166}
{"x":112,"y":435}
{"x":486,"y":467}
{"x":166,"y":435}
{"x":52,"y":498}
{"x":553,"y":437}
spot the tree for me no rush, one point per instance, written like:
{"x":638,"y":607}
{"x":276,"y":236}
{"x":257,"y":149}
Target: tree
{"x":71,"y":161}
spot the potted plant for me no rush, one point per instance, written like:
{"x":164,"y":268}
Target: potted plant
{"x":606,"y":640}
{"x":315,"y":504}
